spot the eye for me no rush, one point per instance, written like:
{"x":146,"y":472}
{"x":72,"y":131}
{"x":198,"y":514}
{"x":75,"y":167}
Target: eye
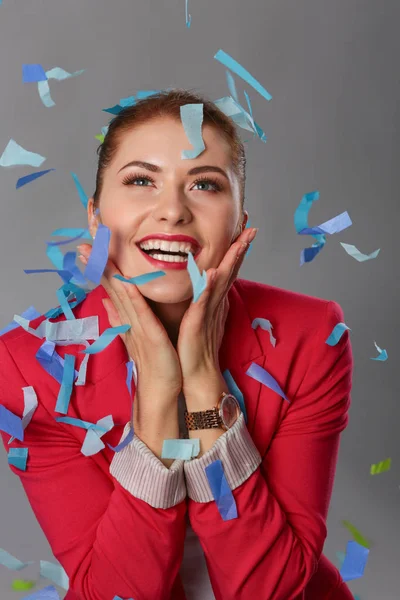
{"x":210,"y":181}
{"x":131,"y":179}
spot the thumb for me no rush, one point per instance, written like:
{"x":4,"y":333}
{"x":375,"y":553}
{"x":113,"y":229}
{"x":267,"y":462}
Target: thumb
{"x":112,"y":313}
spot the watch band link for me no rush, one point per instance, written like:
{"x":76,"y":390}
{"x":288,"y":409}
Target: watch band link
{"x":206,"y":419}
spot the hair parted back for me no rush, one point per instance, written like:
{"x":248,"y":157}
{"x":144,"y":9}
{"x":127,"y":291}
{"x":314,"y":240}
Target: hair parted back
{"x":167,"y":104}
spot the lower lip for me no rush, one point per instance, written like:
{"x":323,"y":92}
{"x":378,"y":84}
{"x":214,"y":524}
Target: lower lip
{"x":166,"y":264}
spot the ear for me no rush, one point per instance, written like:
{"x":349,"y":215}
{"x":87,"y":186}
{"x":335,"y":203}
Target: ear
{"x":244,"y":220}
{"x":92,"y":219}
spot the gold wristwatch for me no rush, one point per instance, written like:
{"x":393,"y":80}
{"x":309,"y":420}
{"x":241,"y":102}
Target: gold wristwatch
{"x":224,"y":415}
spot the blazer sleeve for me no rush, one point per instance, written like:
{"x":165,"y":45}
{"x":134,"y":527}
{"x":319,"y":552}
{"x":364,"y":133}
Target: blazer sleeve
{"x":108,"y":541}
{"x":272,"y":549}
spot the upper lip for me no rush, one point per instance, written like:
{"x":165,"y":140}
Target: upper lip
{"x":171,"y":238}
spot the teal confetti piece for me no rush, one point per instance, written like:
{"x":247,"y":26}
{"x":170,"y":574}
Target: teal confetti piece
{"x":192,"y":120}
{"x":65,"y":391}
{"x":355,"y":253}
{"x":188,"y":17}
{"x":44,"y":88}
{"x":336,"y":334}
{"x":106,"y":338}
{"x":266,"y":325}
{"x":14,"y":154}
{"x":199,"y":282}
{"x":141,"y":279}
{"x":382,"y":354}
{"x":55,"y":573}
{"x":18,"y":457}
{"x":12,"y":563}
{"x":237,"y":68}
{"x":231,"y":85}
{"x":181,"y":449}
{"x":81,"y":192}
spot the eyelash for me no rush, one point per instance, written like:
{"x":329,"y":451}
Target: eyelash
{"x":129,"y":180}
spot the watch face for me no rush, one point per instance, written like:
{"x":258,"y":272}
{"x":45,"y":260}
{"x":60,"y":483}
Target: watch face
{"x":229,"y":411}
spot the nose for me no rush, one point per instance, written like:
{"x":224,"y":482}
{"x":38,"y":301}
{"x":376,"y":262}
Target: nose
{"x":172,"y":206}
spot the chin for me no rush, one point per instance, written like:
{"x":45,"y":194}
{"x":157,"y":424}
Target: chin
{"x":169,"y":295}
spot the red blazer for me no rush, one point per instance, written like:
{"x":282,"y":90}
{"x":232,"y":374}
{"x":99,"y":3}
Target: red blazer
{"x":111,"y":543}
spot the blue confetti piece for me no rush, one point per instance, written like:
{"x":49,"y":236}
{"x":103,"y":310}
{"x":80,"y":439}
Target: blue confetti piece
{"x":199,"y":282}
{"x":233,"y":389}
{"x":383,"y":355}
{"x":336,"y":334}
{"x":67,"y":382}
{"x":221,"y":491}
{"x":33,"y":73}
{"x":51,"y":361}
{"x":140,"y":279}
{"x":18,"y":457}
{"x":308,"y":254}
{"x":81,"y":424}
{"x":82,"y":194}
{"x":28,"y":178}
{"x":231,"y":85}
{"x":29,"y":314}
{"x":11,"y":424}
{"x":99,"y":255}
{"x":237,"y":68}
{"x":47,"y":593}
{"x":192,"y":120}
{"x":261,"y":375}
{"x":69,"y":240}
{"x":129,"y":437}
{"x":188,"y":17}
{"x":114,"y":110}
{"x":335,"y":225}
{"x":354,"y":562}
{"x":106,"y":338}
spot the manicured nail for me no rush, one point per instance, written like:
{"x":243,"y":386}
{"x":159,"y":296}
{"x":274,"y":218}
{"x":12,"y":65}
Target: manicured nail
{"x":83,"y":259}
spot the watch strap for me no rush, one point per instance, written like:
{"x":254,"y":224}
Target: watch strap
{"x":205,"y":419}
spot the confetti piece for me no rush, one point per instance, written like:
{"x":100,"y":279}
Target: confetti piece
{"x":82,"y":195}
{"x":221,"y":491}
{"x":231,"y":85}
{"x":99,"y":255}
{"x":51,"y":361}
{"x":335,"y":225}
{"x":266,"y":325}
{"x":129,"y":437}
{"x":30,"y":405}
{"x":188,"y":17}
{"x":199,"y":282}
{"x":356,"y":534}
{"x":383,"y":355}
{"x":352,"y":251}
{"x":28,"y":178}
{"x":235,"y":67}
{"x":92,"y":444}
{"x":14,"y":154}
{"x":99,"y":137}
{"x":65,"y":391}
{"x":55,"y":573}
{"x":354,"y":562}
{"x":181,"y":449}
{"x":261,"y":375}
{"x":29,"y":314}
{"x":237,"y":113}
{"x":86,"y":328}
{"x":55,"y":73}
{"x":11,"y":562}
{"x":11,"y":424}
{"x":336,"y":334}
{"x":192,"y":120}
{"x":33,"y":73}
{"x":47,"y":593}
{"x":381,"y":467}
{"x":21,"y":585}
{"x":18,"y":457}
{"x":233,"y":389}
{"x":106,"y":338}
{"x":114,"y":110}
{"x":141,"y":279}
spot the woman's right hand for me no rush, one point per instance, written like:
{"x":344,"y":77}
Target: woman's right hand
{"x":147,"y":342}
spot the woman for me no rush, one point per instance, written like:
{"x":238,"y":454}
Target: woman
{"x":117,"y":521}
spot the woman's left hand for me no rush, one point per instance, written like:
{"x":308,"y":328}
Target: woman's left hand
{"x":202,"y":327}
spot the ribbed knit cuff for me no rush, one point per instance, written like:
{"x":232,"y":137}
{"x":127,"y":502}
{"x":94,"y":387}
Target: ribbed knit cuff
{"x":239,"y":457}
{"x":142,"y":474}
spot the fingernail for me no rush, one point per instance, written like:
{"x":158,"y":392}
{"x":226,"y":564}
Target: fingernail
{"x":83,"y":259}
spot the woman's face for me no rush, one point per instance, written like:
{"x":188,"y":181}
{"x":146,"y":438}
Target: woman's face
{"x":136,"y":202}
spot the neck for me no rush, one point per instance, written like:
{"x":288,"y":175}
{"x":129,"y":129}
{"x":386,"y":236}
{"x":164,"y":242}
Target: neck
{"x":170,"y":316}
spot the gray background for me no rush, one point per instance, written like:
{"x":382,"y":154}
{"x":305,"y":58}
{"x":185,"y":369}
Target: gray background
{"x":332,"y":69}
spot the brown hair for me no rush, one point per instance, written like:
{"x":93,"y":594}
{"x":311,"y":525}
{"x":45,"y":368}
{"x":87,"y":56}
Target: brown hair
{"x":168,"y":103}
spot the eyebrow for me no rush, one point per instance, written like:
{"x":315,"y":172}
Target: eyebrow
{"x":157,"y":169}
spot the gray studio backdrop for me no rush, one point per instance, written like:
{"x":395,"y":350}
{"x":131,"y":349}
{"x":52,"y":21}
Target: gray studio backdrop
{"x":331,"y":67}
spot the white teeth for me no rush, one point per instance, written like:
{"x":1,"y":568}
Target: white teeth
{"x":167,"y":246}
{"x":169,"y":258}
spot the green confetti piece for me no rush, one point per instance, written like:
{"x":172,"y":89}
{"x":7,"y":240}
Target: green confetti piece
{"x":20,"y":585}
{"x":356,"y":534}
{"x":100,"y":137}
{"x":384,"y":465}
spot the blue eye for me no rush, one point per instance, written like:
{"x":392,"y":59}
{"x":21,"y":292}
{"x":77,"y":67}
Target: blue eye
{"x":131,"y":180}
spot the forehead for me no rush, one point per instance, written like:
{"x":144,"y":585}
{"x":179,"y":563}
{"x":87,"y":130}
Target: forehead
{"x":163,"y":139}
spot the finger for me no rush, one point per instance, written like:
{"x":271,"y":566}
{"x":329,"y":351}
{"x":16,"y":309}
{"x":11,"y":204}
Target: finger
{"x":228,"y":263}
